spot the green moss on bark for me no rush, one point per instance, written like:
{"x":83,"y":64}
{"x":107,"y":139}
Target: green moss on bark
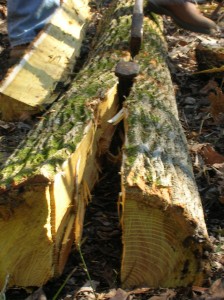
{"x":56,"y":136}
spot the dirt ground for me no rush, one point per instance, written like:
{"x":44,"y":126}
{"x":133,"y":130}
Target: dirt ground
{"x":200,"y":101}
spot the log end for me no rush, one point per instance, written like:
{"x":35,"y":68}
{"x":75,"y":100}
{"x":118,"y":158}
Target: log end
{"x":162,"y":246}
{"x":25,"y":237}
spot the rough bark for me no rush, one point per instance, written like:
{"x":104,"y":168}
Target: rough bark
{"x":35,"y":81}
{"x":164,"y":233}
{"x":45,"y":185}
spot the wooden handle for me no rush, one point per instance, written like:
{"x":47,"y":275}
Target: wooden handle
{"x":136,"y":28}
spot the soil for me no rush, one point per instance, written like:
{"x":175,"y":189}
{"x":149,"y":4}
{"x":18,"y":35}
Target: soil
{"x":200,"y":102}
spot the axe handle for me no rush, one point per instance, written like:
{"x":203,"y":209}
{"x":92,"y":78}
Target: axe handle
{"x":136,"y":28}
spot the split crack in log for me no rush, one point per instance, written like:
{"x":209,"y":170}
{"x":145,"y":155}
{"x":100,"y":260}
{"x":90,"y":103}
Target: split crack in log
{"x":48,"y":178}
{"x":164,"y":235}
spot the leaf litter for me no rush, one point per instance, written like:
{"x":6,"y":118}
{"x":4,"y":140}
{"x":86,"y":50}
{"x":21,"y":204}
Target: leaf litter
{"x":201,"y":108}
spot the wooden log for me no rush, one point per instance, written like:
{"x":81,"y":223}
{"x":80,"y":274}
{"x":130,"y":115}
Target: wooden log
{"x":33,"y":84}
{"x":210,"y":56}
{"x":164,"y":233}
{"x":45,"y":185}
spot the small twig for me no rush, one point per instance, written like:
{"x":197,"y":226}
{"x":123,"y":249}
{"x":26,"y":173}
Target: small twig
{"x":202,"y":123}
{"x":2,"y":292}
{"x":63,"y":284}
{"x":86,"y":270}
{"x":185,"y":118}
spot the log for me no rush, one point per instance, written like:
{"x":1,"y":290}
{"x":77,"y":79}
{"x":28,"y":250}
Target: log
{"x":163,"y":229}
{"x":210,"y":56}
{"x":45,"y":185}
{"x":34,"y":83}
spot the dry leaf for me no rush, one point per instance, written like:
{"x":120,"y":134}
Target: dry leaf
{"x":199,"y":289}
{"x":221,"y":199}
{"x":109,"y":295}
{"x":37,"y":295}
{"x":3,"y":12}
{"x":4,"y":125}
{"x":211,"y":85}
{"x":219,"y":167}
{"x":217,"y":289}
{"x":168,"y":295}
{"x":215,"y":292}
{"x":197,"y":147}
{"x":120,"y":295}
{"x":211,"y":156}
{"x":217,"y":105}
{"x":140,"y":291}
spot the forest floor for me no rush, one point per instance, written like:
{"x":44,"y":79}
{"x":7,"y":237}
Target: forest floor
{"x":200,"y":102}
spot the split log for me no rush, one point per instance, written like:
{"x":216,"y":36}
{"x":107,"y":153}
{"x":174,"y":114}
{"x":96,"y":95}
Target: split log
{"x":35,"y":82}
{"x":164,"y":233}
{"x":45,"y":185}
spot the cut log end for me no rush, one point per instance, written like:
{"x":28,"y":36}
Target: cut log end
{"x":27,"y":211}
{"x":161,"y":246}
{"x":163,"y":229}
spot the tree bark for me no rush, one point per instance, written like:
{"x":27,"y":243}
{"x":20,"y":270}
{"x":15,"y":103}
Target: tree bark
{"x":45,"y":185}
{"x":164,"y":232}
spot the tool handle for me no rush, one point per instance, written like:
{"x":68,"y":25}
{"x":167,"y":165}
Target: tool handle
{"x":136,"y":28}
